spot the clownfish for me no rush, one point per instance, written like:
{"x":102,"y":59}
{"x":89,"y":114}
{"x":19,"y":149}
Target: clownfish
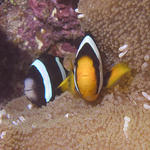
{"x":87,"y":74}
{"x":86,"y":78}
{"x":88,"y":70}
{"x":43,"y":78}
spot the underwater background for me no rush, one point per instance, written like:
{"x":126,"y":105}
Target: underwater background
{"x":119,"y":119}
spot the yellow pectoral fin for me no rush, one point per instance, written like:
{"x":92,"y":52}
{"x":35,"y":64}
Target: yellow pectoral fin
{"x":64,"y":85}
{"x":117,"y":72}
{"x":68,"y":84}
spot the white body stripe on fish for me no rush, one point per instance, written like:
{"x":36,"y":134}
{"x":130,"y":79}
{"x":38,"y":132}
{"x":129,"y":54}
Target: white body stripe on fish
{"x":61,"y":68}
{"x":46,"y":79}
{"x":90,"y":41}
{"x":75,"y":80}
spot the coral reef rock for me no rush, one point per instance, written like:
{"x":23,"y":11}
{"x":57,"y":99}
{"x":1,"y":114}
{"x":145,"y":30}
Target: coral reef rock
{"x":36,"y":25}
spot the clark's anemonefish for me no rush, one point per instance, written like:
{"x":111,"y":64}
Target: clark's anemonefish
{"x":43,"y":78}
{"x":86,"y":76}
{"x":88,"y":70}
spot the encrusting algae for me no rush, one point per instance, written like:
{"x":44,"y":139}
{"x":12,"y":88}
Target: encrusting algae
{"x":120,"y":119}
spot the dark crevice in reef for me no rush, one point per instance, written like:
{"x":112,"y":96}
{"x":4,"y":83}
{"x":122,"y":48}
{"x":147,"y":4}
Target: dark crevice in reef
{"x":1,"y":1}
{"x":11,"y":71}
{"x":73,"y":3}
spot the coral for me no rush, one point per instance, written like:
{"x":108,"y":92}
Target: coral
{"x":36,"y":26}
{"x":69,"y":123}
{"x":121,"y":29}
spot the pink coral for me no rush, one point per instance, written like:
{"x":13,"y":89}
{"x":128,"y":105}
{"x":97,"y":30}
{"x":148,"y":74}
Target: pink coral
{"x":39,"y":8}
{"x":37,"y":25}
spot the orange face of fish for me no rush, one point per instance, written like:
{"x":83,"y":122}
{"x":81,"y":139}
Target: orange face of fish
{"x":86,"y":78}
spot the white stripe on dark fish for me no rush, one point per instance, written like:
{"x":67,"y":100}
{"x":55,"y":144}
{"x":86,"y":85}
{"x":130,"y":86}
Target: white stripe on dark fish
{"x":46,"y":79}
{"x":90,"y":41}
{"x":61,"y":68}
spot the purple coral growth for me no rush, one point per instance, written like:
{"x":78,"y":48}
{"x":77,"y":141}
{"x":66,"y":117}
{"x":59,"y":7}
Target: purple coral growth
{"x":29,"y":29}
{"x":41,"y":9}
{"x":49,"y":22}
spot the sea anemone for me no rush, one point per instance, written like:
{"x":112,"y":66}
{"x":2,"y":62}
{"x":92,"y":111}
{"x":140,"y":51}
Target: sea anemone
{"x":69,"y":123}
{"x":121,"y":29}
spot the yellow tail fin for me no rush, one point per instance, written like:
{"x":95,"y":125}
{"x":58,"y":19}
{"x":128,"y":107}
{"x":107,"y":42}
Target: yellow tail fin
{"x":118,"y":71}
